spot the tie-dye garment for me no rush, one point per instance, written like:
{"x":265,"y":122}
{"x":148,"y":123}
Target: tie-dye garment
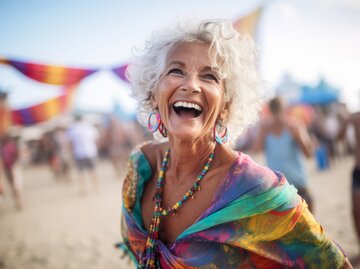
{"x":257,"y":220}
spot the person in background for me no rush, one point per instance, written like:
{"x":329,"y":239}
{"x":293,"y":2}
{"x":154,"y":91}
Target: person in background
{"x":9,"y":156}
{"x":84,"y":139}
{"x":5,"y":113}
{"x":189,"y":200}
{"x":353,"y":119}
{"x":285,"y":142}
{"x":5,"y":123}
{"x":331,"y":129}
{"x":48,"y":152}
{"x":117,"y":143}
{"x":63,"y":153}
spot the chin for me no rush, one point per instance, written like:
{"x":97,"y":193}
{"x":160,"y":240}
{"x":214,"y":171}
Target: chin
{"x":185,"y":135}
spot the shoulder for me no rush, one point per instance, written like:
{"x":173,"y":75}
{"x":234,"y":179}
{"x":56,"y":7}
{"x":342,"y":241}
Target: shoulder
{"x":249,"y":177}
{"x":258,"y":185}
{"x":153,"y":151}
{"x":265,"y":124}
{"x":141,"y":164}
{"x":293,"y":124}
{"x":255,"y":171}
{"x":148,"y":151}
{"x":130,"y":184}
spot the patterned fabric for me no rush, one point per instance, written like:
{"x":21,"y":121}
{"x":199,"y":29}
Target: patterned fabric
{"x":256,"y":221}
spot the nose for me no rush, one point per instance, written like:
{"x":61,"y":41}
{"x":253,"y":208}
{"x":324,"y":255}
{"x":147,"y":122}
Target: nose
{"x":191,"y":84}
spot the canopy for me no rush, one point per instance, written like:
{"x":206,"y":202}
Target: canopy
{"x":322,"y":94}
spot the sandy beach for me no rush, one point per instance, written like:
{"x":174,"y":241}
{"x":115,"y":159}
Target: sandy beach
{"x":60,"y":229}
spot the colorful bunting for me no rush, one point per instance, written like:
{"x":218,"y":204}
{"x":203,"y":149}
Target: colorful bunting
{"x":121,"y":72}
{"x":50,"y":74}
{"x":70,"y":77}
{"x":44,"y":111}
{"x":248,"y":23}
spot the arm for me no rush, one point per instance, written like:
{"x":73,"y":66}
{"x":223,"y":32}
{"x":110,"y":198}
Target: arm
{"x":292,"y":238}
{"x":343,"y":127}
{"x":318,"y":249}
{"x":347,"y":264}
{"x":302,"y":138}
{"x":16,"y":151}
{"x":129,"y":199}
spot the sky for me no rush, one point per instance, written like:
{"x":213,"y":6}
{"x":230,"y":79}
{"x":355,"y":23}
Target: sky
{"x":308,"y":39}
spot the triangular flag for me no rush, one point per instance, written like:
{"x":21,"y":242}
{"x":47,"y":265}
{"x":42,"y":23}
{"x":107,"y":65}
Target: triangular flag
{"x":45,"y":110}
{"x":249,"y":23}
{"x":120,"y":72}
{"x":50,"y":74}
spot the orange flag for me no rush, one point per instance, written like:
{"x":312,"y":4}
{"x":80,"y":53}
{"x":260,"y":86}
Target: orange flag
{"x":249,"y":23}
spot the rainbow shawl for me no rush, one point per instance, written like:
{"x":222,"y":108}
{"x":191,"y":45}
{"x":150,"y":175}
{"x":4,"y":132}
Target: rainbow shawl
{"x":256,"y":220}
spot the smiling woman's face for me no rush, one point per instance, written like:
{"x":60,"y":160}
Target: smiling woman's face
{"x":190,"y":94}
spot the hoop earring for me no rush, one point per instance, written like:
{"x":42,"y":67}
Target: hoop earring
{"x":220,"y":139}
{"x":153,"y":127}
{"x":163,"y":130}
{"x":157,"y":125}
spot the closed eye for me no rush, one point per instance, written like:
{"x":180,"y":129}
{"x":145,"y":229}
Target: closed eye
{"x":175,"y":71}
{"x":210,"y":76}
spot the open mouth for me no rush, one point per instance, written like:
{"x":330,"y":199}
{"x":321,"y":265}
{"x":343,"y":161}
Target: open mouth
{"x":187,"y":109}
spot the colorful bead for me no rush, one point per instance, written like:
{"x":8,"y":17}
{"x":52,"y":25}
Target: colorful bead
{"x":149,"y":259}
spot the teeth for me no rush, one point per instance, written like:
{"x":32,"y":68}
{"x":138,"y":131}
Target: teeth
{"x":188,"y":105}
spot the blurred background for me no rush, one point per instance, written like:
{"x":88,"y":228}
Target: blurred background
{"x":61,"y":60}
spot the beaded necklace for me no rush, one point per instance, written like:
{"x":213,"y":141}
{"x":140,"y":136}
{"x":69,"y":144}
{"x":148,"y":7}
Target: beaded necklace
{"x":149,"y":257}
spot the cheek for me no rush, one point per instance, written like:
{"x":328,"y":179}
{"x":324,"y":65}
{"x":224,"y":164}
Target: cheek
{"x":215,"y":103}
{"x":161,"y":93}
{"x":166,"y":88}
{"x":216,"y":99}
{"x":162,"y":97}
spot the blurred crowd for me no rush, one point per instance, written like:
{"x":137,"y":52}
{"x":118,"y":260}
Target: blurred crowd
{"x":63,"y":146}
{"x":71,"y":149}
{"x":322,"y":123}
{"x":325,"y":132}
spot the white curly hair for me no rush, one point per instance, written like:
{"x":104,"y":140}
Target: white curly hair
{"x":233,"y":53}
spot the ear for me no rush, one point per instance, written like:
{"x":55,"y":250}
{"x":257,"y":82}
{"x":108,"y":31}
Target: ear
{"x":224,"y":114}
{"x":153,"y":101}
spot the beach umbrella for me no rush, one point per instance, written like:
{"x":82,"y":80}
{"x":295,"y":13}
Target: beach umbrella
{"x":322,"y":94}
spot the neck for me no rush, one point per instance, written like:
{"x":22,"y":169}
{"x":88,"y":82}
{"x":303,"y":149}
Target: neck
{"x":279,"y":117}
{"x":188,"y":157}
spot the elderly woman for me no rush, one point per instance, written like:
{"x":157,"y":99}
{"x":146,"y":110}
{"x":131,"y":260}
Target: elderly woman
{"x":191,"y":201}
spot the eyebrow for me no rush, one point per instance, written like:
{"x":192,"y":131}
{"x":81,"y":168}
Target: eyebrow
{"x":179,"y":63}
{"x":209,"y":68}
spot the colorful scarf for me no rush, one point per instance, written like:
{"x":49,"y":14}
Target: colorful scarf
{"x":256,"y":220}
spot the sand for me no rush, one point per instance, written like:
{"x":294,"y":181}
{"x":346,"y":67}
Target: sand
{"x":58,"y":228}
